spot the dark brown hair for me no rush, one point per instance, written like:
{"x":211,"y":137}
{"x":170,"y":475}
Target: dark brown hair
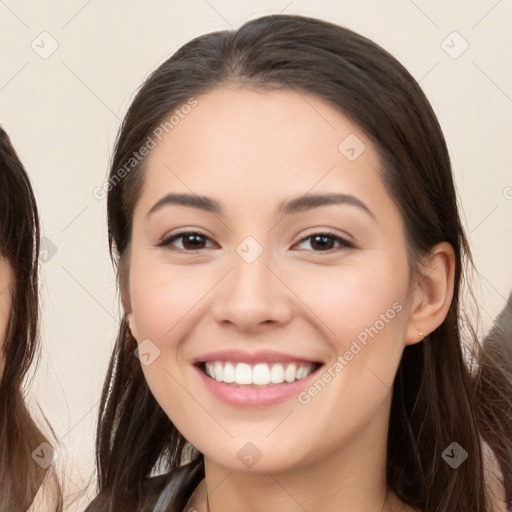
{"x":438,"y":397}
{"x":20,"y":476}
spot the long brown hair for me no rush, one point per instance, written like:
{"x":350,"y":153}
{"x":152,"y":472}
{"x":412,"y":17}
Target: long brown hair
{"x":21,"y":476}
{"x":438,"y":396}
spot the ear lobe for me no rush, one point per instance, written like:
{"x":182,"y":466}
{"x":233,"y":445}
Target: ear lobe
{"x":125,"y":301}
{"x":132,"y":325}
{"x":434,"y":293}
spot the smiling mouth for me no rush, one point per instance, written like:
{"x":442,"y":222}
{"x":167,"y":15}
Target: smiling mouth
{"x":257,"y":375}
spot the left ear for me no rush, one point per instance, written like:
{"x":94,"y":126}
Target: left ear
{"x":433,"y":294}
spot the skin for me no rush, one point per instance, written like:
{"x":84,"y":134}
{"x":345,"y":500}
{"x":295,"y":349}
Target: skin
{"x":5,"y":299}
{"x":250,"y":150}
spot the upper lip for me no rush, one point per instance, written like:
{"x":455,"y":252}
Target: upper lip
{"x":259,"y":356}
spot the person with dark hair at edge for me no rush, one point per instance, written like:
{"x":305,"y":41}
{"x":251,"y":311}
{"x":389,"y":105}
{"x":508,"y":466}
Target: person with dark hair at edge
{"x":25,"y":485}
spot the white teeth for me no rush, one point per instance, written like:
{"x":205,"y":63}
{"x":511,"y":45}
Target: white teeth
{"x":218,"y":371}
{"x":261,"y":374}
{"x":277,"y":374}
{"x":229,"y":373}
{"x":290,"y":373}
{"x":301,"y":373}
{"x":243,"y":373}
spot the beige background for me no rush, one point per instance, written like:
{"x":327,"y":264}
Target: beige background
{"x":62,"y":111}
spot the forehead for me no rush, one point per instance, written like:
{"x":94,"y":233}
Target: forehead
{"x":240,"y":122}
{"x":263,"y":145}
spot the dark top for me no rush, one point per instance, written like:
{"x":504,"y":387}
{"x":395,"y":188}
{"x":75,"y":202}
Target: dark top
{"x":173,"y":490}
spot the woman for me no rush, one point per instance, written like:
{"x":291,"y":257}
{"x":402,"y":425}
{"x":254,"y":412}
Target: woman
{"x":283,"y":218}
{"x":27,"y":481}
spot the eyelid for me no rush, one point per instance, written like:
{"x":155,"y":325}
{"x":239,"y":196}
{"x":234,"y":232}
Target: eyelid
{"x":166,"y":240}
{"x":345,"y":238}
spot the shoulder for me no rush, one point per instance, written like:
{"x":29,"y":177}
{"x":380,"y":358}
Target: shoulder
{"x":158,"y":491}
{"x":176,"y":486}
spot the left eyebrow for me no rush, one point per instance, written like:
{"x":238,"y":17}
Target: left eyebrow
{"x":288,"y":207}
{"x":308,"y":202}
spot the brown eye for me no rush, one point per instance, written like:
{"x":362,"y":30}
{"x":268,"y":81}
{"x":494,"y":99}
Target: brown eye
{"x":191,"y":241}
{"x":323,"y":242}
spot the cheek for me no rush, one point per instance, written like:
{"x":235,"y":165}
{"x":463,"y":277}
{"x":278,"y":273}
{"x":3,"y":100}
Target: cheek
{"x":355,"y":300}
{"x":161,"y":295}
{"x":161,"y":298}
{"x":363,"y":313}
{"x":362,"y":310}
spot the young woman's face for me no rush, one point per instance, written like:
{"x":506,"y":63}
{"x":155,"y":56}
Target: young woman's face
{"x":260,"y":288}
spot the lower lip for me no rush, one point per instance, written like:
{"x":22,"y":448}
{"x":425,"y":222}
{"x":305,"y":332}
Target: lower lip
{"x":255,"y":396}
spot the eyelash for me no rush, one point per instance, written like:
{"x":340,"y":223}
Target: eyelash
{"x":326,"y":234}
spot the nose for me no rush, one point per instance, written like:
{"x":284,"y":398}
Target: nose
{"x":253,"y":296}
